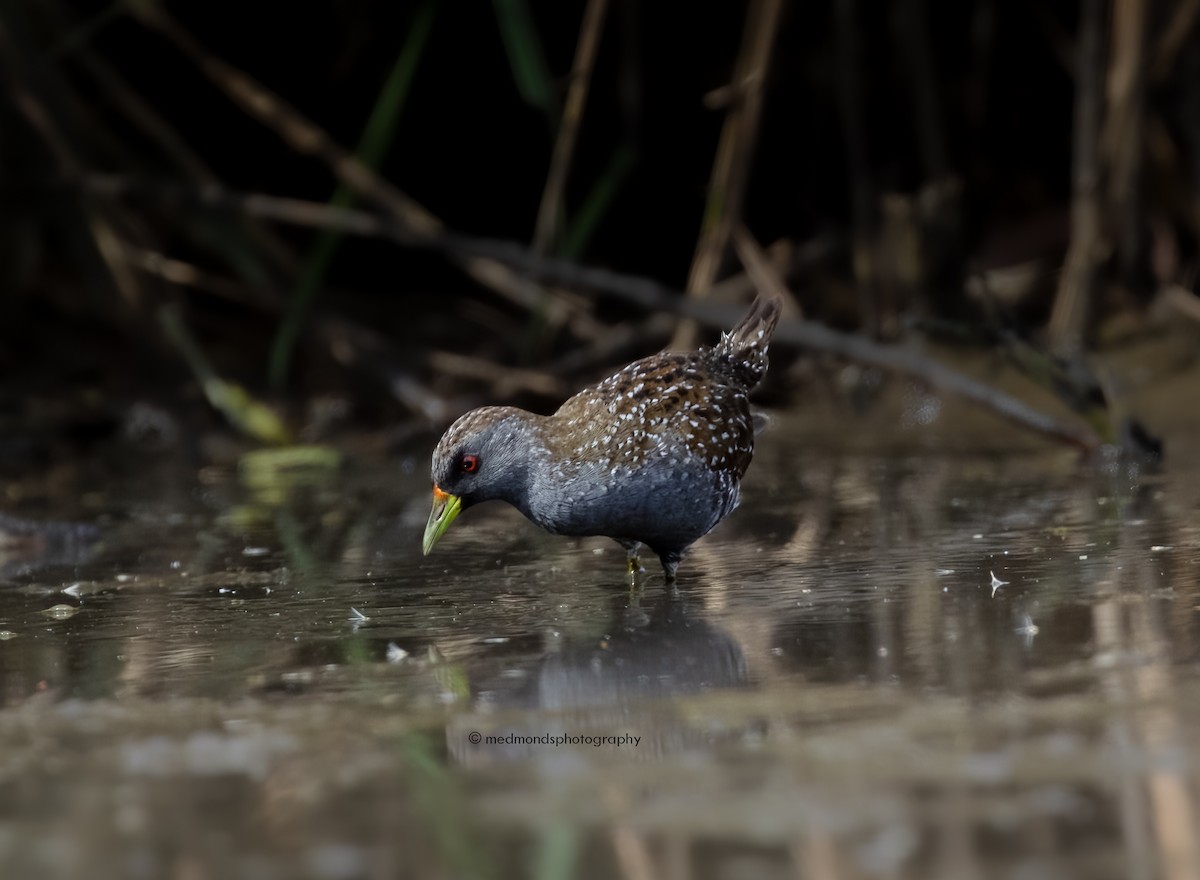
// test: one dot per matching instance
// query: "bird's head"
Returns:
(483, 456)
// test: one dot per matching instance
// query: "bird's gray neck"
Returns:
(526, 460)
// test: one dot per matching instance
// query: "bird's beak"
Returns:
(446, 508)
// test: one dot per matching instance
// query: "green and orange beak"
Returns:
(446, 508)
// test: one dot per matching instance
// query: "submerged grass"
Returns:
(557, 853)
(443, 810)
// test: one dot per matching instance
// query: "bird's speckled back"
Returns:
(653, 454)
(675, 404)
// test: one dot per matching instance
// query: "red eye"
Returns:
(469, 463)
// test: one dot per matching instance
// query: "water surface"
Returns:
(893, 661)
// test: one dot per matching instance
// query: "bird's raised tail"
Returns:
(745, 346)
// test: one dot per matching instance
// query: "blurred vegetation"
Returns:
(362, 212)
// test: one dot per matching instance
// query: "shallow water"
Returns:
(891, 662)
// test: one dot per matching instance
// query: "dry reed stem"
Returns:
(319, 215)
(1122, 137)
(629, 845)
(1174, 37)
(814, 856)
(106, 239)
(734, 151)
(504, 379)
(550, 210)
(642, 292)
(758, 264)
(863, 207)
(308, 139)
(146, 119)
(1076, 288)
(355, 346)
(1182, 301)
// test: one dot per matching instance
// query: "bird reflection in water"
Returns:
(622, 683)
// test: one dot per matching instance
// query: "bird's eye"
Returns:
(468, 463)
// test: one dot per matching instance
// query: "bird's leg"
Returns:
(633, 570)
(633, 565)
(670, 564)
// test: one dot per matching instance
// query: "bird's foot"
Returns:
(633, 564)
(634, 573)
(670, 566)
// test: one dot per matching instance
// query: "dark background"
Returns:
(975, 98)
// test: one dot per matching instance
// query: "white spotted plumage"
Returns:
(653, 454)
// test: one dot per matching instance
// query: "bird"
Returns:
(651, 456)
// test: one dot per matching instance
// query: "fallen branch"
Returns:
(642, 292)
